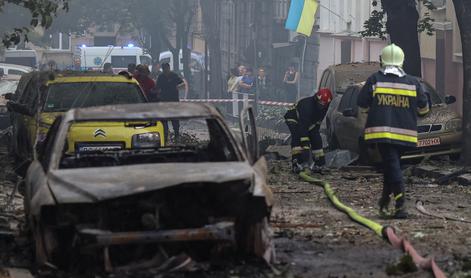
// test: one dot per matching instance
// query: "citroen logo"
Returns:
(100, 132)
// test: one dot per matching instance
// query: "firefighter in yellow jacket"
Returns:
(392, 100)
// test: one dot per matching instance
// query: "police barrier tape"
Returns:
(386, 232)
(262, 102)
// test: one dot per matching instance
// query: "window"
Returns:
(123, 61)
(145, 60)
(64, 96)
(323, 83)
(45, 149)
(29, 95)
(346, 100)
(433, 95)
(199, 140)
(16, 72)
(354, 99)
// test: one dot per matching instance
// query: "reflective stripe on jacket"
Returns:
(308, 114)
(394, 103)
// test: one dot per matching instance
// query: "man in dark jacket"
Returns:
(168, 83)
(392, 100)
(303, 121)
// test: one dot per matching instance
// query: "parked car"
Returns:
(439, 132)
(40, 98)
(12, 69)
(197, 194)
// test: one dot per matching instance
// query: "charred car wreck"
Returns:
(199, 193)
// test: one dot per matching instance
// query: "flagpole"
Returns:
(301, 71)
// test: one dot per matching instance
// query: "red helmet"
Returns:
(324, 96)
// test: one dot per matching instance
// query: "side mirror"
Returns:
(9, 96)
(450, 99)
(349, 112)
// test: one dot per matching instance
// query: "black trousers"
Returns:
(175, 126)
(303, 149)
(393, 180)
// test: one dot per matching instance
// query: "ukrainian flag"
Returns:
(301, 16)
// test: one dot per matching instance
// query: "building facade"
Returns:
(340, 22)
(442, 59)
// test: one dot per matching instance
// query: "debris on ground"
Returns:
(340, 158)
(405, 265)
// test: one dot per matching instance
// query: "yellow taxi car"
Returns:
(40, 98)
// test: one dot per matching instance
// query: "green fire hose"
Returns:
(385, 232)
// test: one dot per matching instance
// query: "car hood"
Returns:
(88, 185)
(439, 114)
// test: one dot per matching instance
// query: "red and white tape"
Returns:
(262, 102)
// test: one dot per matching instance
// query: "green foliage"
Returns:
(41, 13)
(375, 26)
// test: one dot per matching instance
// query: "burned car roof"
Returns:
(142, 111)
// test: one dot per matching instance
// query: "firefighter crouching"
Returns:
(304, 120)
(392, 100)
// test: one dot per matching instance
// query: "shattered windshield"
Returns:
(100, 144)
(61, 97)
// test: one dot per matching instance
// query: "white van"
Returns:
(197, 60)
(93, 58)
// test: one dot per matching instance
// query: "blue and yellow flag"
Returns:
(301, 16)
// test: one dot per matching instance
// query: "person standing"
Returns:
(168, 84)
(132, 68)
(156, 71)
(304, 120)
(262, 83)
(247, 83)
(233, 81)
(392, 100)
(147, 84)
(291, 80)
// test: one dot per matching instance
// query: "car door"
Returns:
(36, 177)
(27, 120)
(249, 134)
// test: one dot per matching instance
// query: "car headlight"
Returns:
(146, 140)
(454, 125)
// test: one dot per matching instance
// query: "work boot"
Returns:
(296, 167)
(383, 204)
(400, 211)
(315, 169)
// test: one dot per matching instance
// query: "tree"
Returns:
(211, 32)
(463, 15)
(403, 25)
(41, 14)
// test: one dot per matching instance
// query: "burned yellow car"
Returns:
(41, 97)
(201, 194)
